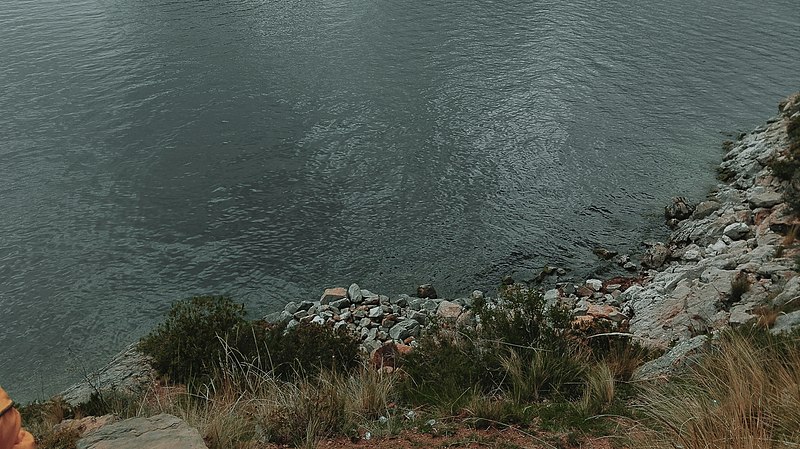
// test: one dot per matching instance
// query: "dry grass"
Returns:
(744, 395)
(600, 389)
(247, 407)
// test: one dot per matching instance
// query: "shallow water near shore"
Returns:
(154, 150)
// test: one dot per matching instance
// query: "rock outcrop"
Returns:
(129, 372)
(156, 432)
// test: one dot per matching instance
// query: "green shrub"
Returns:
(521, 348)
(200, 335)
(305, 350)
(186, 345)
(444, 367)
(521, 319)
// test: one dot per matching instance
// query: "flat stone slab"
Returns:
(156, 432)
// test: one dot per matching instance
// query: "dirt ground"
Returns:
(508, 438)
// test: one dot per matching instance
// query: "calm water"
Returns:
(150, 150)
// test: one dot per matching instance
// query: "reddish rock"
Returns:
(584, 292)
(332, 294)
(601, 311)
(388, 355)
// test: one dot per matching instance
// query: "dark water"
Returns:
(150, 150)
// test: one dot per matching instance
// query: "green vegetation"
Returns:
(203, 335)
(526, 365)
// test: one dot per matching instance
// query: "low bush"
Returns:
(522, 349)
(186, 344)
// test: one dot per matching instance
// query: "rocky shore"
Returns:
(729, 261)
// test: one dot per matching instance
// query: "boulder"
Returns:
(674, 360)
(426, 291)
(736, 231)
(332, 294)
(789, 294)
(655, 256)
(680, 209)
(404, 329)
(762, 197)
(705, 209)
(786, 322)
(594, 284)
(156, 432)
(449, 310)
(354, 293)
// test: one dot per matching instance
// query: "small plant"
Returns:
(599, 393)
(66, 438)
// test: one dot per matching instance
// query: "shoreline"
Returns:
(734, 237)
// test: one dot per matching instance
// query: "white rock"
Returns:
(594, 284)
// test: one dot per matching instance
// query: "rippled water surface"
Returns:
(150, 150)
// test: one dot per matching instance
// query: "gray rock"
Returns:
(291, 307)
(430, 306)
(156, 432)
(318, 320)
(354, 293)
(419, 317)
(476, 295)
(292, 324)
(736, 231)
(789, 294)
(401, 300)
(786, 323)
(655, 256)
(705, 209)
(551, 296)
(404, 329)
(761, 197)
(674, 360)
(365, 322)
(305, 305)
(594, 284)
(332, 294)
(341, 303)
(375, 312)
(449, 310)
(680, 209)
(128, 372)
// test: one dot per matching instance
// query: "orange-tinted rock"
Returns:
(332, 294)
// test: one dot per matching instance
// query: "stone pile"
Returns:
(375, 318)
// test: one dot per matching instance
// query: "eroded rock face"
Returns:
(157, 432)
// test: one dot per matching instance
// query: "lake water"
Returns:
(151, 150)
